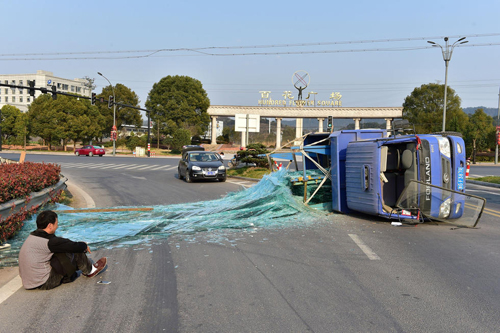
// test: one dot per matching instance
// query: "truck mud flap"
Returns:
(441, 204)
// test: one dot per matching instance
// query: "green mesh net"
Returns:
(268, 204)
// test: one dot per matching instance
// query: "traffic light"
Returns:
(330, 122)
(54, 92)
(92, 99)
(31, 89)
(110, 101)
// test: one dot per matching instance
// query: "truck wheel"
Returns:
(91, 154)
(188, 178)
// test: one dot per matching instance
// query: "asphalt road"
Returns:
(343, 274)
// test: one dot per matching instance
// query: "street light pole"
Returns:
(447, 52)
(498, 126)
(114, 111)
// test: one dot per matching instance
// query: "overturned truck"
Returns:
(405, 177)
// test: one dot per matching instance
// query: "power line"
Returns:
(204, 51)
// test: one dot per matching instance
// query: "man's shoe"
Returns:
(99, 266)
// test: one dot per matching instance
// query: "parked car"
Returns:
(201, 165)
(90, 151)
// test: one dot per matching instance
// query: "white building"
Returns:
(20, 98)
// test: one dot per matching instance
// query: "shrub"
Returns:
(255, 153)
(18, 180)
(181, 137)
(135, 141)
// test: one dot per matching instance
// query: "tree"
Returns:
(182, 100)
(124, 115)
(89, 83)
(64, 119)
(84, 122)
(14, 125)
(424, 109)
(180, 138)
(479, 130)
(46, 122)
(134, 141)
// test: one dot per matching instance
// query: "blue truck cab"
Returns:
(377, 172)
(370, 170)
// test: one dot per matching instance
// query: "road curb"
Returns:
(245, 178)
(477, 182)
(81, 199)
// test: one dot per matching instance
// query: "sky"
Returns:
(374, 53)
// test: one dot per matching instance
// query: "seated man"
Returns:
(46, 261)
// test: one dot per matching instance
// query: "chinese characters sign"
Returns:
(288, 99)
(300, 80)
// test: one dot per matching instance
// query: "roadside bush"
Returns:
(180, 138)
(255, 153)
(222, 139)
(18, 180)
(135, 141)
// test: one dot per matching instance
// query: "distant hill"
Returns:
(311, 124)
(489, 111)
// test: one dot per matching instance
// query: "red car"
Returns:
(90, 151)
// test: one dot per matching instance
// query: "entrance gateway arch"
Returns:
(320, 113)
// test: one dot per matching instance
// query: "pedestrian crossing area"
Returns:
(119, 166)
(139, 168)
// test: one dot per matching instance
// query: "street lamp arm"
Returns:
(113, 88)
(447, 53)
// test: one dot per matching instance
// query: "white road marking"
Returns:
(108, 166)
(139, 167)
(244, 184)
(369, 252)
(133, 167)
(149, 166)
(163, 167)
(121, 166)
(483, 191)
(10, 288)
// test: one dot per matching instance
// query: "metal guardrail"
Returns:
(6, 161)
(36, 199)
